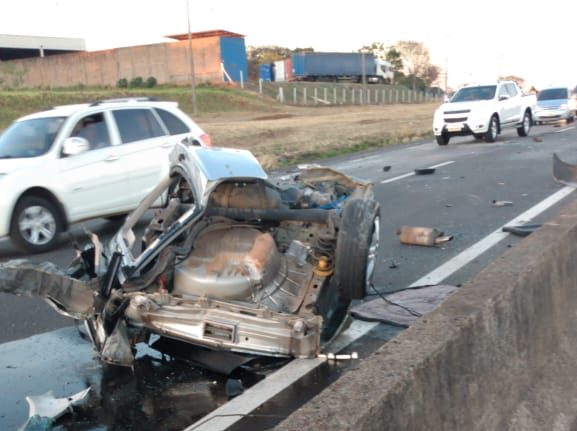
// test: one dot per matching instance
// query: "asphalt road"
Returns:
(456, 199)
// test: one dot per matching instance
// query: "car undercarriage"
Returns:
(230, 260)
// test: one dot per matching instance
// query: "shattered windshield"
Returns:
(29, 138)
(486, 92)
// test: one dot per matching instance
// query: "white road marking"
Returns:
(400, 177)
(565, 129)
(442, 272)
(237, 408)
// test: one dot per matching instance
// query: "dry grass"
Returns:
(291, 134)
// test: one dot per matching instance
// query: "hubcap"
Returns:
(372, 254)
(526, 123)
(37, 225)
(493, 128)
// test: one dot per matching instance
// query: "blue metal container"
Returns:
(233, 56)
(265, 72)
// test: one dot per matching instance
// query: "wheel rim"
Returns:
(493, 128)
(372, 253)
(526, 124)
(37, 225)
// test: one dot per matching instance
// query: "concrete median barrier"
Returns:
(499, 354)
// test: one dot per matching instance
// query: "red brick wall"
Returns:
(167, 62)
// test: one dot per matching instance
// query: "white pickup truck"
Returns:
(484, 111)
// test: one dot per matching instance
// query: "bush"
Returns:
(137, 82)
(122, 83)
(150, 82)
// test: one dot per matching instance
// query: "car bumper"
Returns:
(459, 129)
(220, 324)
(552, 115)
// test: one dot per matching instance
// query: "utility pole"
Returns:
(191, 59)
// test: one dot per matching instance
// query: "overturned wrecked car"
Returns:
(231, 260)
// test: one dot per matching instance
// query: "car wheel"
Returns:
(442, 139)
(493, 130)
(523, 129)
(357, 245)
(36, 224)
(355, 262)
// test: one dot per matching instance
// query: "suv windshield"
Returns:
(553, 94)
(29, 138)
(486, 92)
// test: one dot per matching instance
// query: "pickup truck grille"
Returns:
(461, 111)
(455, 120)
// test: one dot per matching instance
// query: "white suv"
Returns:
(78, 162)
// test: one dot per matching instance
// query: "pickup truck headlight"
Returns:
(564, 106)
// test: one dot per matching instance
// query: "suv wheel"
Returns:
(442, 139)
(523, 129)
(493, 130)
(36, 224)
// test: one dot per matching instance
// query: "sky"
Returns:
(476, 41)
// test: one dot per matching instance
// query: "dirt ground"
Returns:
(294, 134)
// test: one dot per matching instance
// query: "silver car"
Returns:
(232, 260)
(553, 104)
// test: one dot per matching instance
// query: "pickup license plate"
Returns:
(455, 127)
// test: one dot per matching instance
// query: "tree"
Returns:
(416, 61)
(378, 49)
(430, 74)
(394, 57)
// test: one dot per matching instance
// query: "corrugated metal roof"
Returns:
(203, 34)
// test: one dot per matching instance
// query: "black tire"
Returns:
(36, 225)
(442, 139)
(354, 265)
(493, 130)
(357, 244)
(525, 127)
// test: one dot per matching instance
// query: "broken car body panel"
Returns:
(231, 260)
(563, 172)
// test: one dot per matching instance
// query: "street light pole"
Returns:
(191, 59)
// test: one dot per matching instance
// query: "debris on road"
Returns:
(386, 168)
(338, 357)
(426, 236)
(424, 171)
(537, 139)
(46, 409)
(403, 307)
(523, 230)
(502, 203)
(233, 388)
(563, 172)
